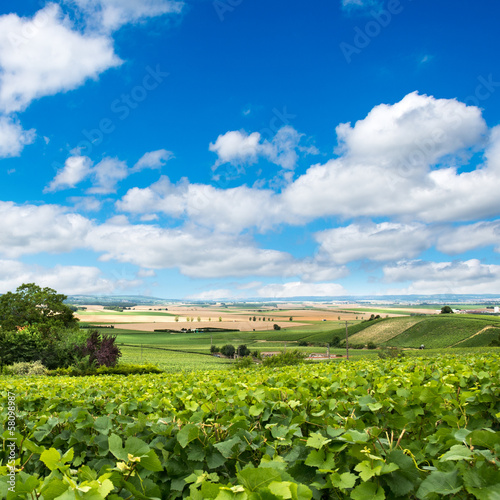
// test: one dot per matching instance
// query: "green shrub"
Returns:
(390, 352)
(285, 359)
(243, 350)
(245, 362)
(26, 369)
(356, 346)
(335, 341)
(228, 350)
(371, 345)
(121, 369)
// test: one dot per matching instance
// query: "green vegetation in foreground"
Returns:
(413, 428)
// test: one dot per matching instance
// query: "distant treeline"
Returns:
(199, 330)
(95, 326)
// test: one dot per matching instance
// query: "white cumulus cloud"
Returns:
(379, 242)
(44, 55)
(457, 277)
(13, 137)
(75, 170)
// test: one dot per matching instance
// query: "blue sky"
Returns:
(250, 148)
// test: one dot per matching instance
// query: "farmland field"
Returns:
(411, 428)
(442, 331)
(311, 327)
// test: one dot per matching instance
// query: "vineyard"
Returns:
(422, 428)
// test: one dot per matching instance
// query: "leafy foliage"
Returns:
(228, 350)
(26, 369)
(32, 305)
(101, 349)
(289, 358)
(418, 428)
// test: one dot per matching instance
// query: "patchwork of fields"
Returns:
(308, 329)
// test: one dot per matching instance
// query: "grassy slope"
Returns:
(442, 331)
(385, 330)
(482, 339)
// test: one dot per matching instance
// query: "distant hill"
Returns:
(115, 300)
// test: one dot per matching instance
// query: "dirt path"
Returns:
(472, 336)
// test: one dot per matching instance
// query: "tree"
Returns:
(243, 350)
(31, 305)
(228, 350)
(446, 310)
(276, 327)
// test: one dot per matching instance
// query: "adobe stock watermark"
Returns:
(29, 29)
(121, 108)
(222, 7)
(11, 446)
(363, 37)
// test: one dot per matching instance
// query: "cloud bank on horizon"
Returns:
(160, 148)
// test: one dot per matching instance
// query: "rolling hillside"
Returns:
(447, 331)
(383, 331)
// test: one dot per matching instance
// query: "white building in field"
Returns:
(496, 309)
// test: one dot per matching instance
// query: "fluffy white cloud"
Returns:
(458, 277)
(153, 159)
(228, 210)
(385, 167)
(380, 242)
(299, 289)
(239, 148)
(112, 14)
(76, 169)
(64, 279)
(196, 254)
(413, 133)
(44, 55)
(236, 147)
(13, 137)
(464, 238)
(107, 173)
(31, 229)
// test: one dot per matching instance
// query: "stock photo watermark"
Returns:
(121, 108)
(222, 7)
(11, 445)
(30, 29)
(363, 36)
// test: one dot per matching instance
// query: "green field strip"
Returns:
(439, 332)
(481, 339)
